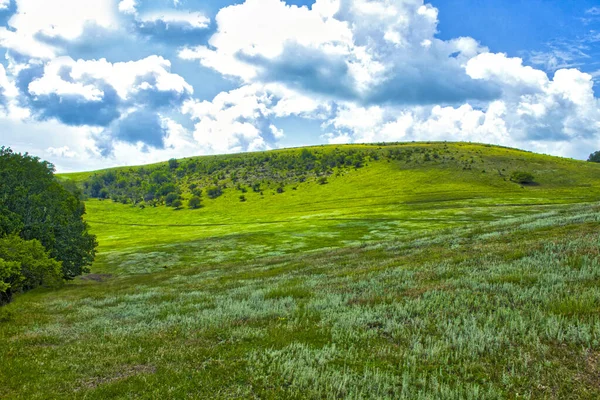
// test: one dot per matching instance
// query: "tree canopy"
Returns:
(595, 157)
(34, 205)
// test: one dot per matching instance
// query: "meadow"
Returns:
(398, 279)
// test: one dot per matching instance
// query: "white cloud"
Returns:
(63, 152)
(229, 123)
(65, 19)
(127, 78)
(507, 71)
(4, 4)
(593, 11)
(194, 20)
(128, 6)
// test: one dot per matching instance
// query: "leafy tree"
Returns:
(34, 205)
(171, 197)
(10, 275)
(194, 202)
(595, 157)
(522, 177)
(177, 204)
(173, 163)
(25, 265)
(214, 192)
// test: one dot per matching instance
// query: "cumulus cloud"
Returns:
(364, 70)
(128, 6)
(67, 19)
(381, 69)
(124, 98)
(364, 51)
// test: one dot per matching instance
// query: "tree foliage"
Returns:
(34, 205)
(595, 157)
(194, 202)
(25, 265)
(522, 177)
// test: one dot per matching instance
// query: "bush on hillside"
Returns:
(595, 157)
(522, 177)
(171, 198)
(177, 204)
(214, 192)
(194, 202)
(25, 265)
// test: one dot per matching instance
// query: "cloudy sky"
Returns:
(97, 83)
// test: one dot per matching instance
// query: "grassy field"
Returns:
(391, 281)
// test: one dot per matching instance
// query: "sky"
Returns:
(99, 83)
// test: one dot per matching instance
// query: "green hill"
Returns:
(384, 192)
(415, 270)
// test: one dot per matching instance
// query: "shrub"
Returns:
(595, 157)
(280, 189)
(194, 202)
(522, 177)
(322, 180)
(242, 198)
(173, 164)
(177, 204)
(214, 192)
(25, 265)
(171, 197)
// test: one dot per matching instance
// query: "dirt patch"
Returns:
(96, 277)
(592, 372)
(125, 373)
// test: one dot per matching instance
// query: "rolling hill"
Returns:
(407, 270)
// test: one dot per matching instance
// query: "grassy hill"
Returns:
(415, 270)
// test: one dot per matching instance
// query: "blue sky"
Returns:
(122, 82)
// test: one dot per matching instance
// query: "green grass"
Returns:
(391, 281)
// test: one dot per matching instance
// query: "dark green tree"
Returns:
(595, 157)
(177, 204)
(173, 163)
(522, 177)
(171, 197)
(34, 205)
(194, 202)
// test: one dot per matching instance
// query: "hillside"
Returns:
(415, 270)
(394, 192)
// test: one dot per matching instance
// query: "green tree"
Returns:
(25, 265)
(171, 197)
(177, 204)
(595, 157)
(194, 202)
(173, 163)
(34, 205)
(214, 192)
(522, 177)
